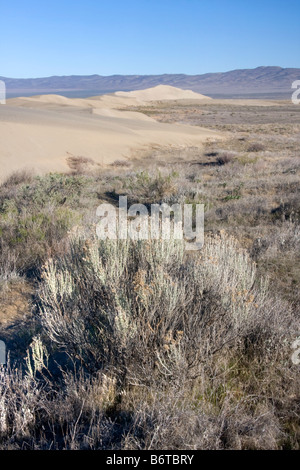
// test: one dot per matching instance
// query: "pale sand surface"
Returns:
(41, 132)
(162, 93)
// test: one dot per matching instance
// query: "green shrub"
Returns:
(148, 188)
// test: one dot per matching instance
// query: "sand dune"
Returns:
(120, 99)
(122, 114)
(162, 93)
(40, 132)
(57, 101)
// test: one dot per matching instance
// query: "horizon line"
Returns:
(150, 75)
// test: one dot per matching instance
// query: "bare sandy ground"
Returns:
(41, 132)
(162, 93)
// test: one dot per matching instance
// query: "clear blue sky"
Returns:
(40, 38)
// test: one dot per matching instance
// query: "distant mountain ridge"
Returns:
(265, 81)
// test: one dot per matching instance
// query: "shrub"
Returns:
(35, 218)
(256, 147)
(147, 311)
(224, 158)
(17, 178)
(31, 238)
(79, 165)
(19, 402)
(148, 188)
(121, 164)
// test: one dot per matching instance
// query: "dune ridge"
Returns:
(162, 93)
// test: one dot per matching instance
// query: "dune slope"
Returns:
(43, 131)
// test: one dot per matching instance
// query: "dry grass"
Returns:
(80, 165)
(18, 177)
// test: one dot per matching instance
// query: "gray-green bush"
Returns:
(168, 347)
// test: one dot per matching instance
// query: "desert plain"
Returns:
(145, 346)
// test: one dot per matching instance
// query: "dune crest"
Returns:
(162, 93)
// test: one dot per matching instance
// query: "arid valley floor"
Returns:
(145, 347)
